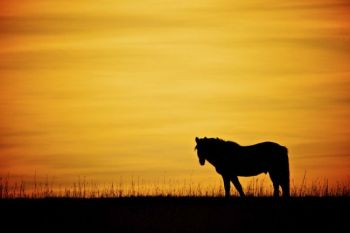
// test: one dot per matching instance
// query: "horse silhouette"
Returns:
(232, 160)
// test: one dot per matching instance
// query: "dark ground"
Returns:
(165, 214)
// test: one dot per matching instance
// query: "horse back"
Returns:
(258, 158)
(263, 148)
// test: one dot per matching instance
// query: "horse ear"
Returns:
(197, 139)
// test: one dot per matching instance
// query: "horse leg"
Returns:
(285, 189)
(227, 185)
(237, 185)
(275, 183)
(275, 189)
(285, 186)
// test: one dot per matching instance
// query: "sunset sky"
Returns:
(108, 89)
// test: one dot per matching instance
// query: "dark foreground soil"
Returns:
(164, 214)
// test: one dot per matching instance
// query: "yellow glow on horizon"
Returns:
(121, 88)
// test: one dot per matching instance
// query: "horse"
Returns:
(232, 160)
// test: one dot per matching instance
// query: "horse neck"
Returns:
(217, 155)
(214, 158)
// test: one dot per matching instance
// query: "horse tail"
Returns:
(285, 184)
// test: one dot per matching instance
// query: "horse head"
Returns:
(200, 151)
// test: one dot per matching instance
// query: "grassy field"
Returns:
(175, 214)
(42, 206)
(43, 187)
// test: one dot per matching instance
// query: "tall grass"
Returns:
(83, 188)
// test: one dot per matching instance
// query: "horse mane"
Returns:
(220, 142)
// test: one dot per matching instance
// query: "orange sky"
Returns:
(109, 89)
